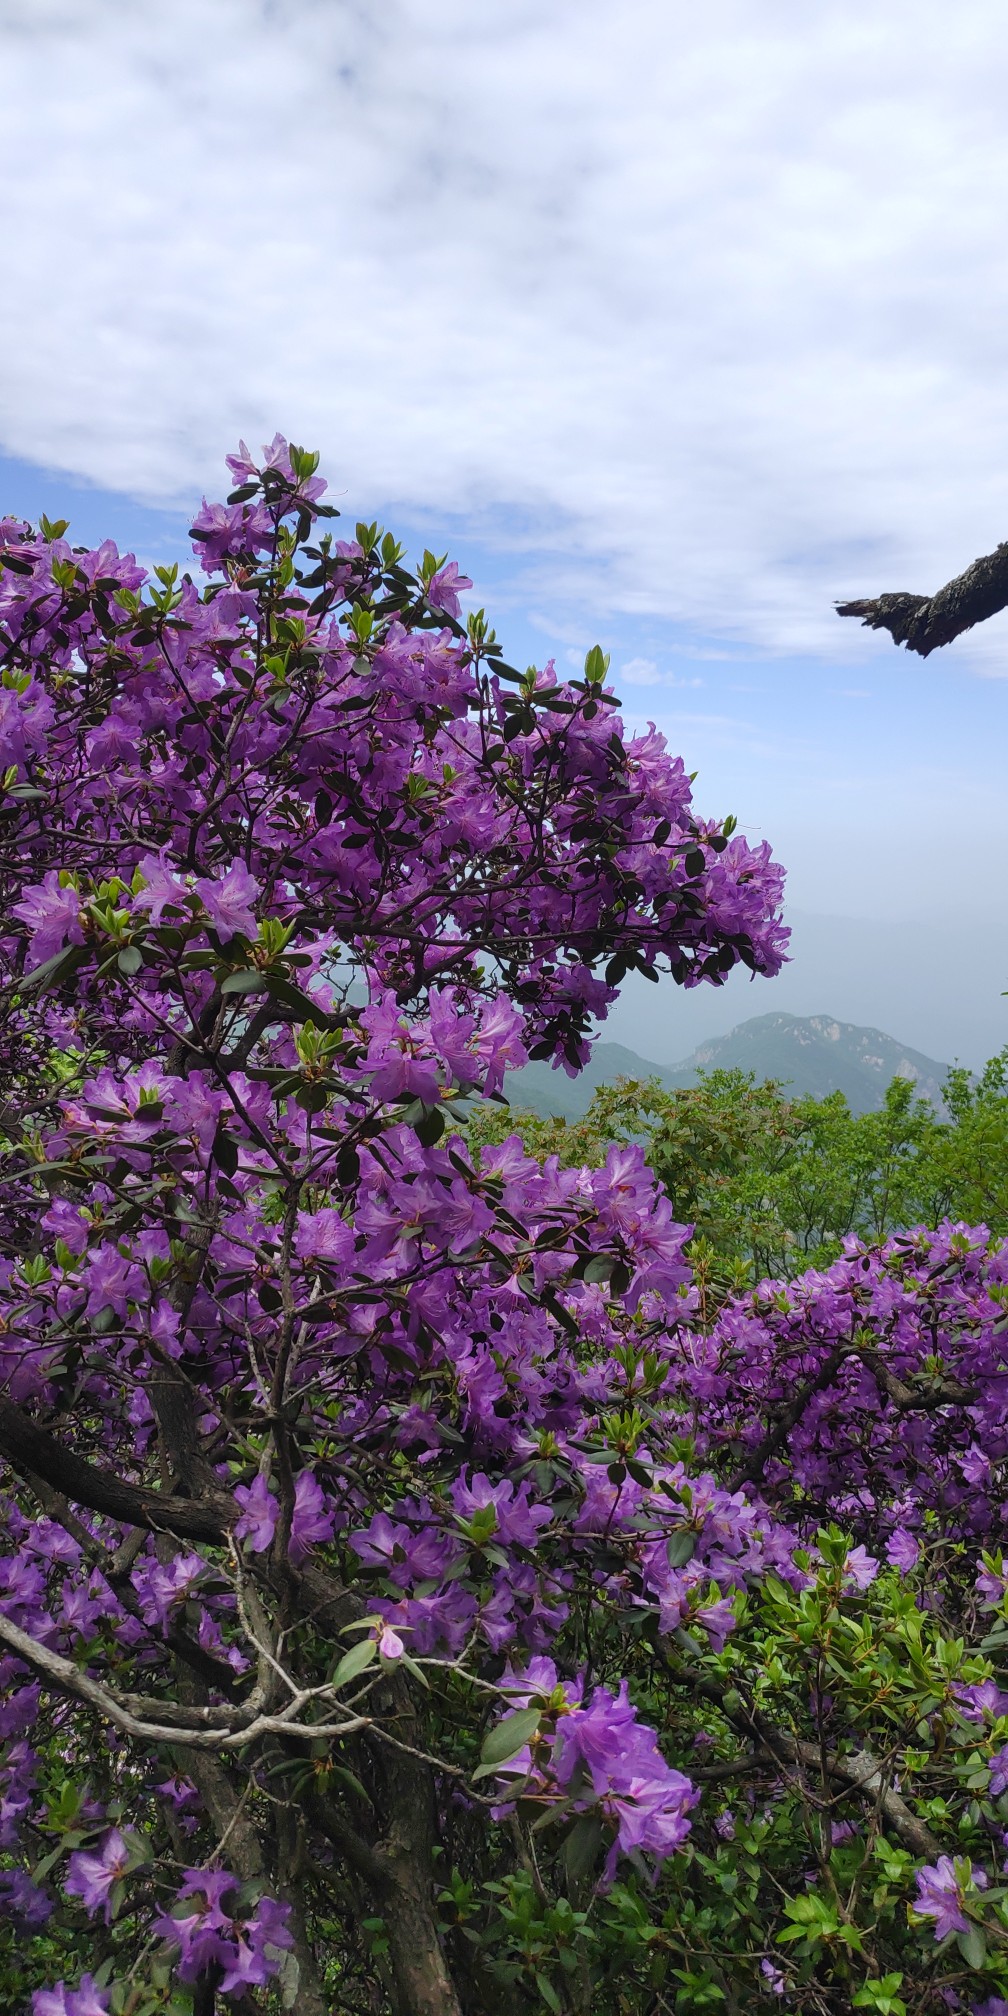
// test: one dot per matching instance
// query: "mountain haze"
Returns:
(807, 1053)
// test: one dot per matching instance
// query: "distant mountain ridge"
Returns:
(817, 1054)
(806, 1053)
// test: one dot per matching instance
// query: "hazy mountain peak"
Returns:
(815, 1054)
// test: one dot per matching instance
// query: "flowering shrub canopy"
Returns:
(413, 1596)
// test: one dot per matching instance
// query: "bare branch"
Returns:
(33, 1452)
(925, 622)
(197, 1727)
(129, 1712)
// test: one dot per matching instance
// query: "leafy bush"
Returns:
(773, 1184)
(415, 1593)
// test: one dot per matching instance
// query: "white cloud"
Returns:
(645, 672)
(640, 672)
(708, 302)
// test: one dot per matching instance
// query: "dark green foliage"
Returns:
(775, 1184)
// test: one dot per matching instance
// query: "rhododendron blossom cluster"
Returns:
(406, 1580)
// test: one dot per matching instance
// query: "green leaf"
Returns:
(580, 1850)
(130, 960)
(246, 982)
(430, 1128)
(549, 1994)
(301, 1006)
(506, 1738)
(225, 1151)
(417, 1671)
(355, 1662)
(882, 1996)
(48, 1862)
(973, 1947)
(680, 1547)
(54, 971)
(349, 1779)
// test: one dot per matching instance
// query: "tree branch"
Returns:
(151, 1720)
(913, 1399)
(857, 1769)
(34, 1452)
(752, 1470)
(925, 622)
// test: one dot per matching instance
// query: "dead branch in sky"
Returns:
(925, 622)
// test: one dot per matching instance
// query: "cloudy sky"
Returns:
(677, 324)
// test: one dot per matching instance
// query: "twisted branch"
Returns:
(925, 622)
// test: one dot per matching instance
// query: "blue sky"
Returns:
(672, 329)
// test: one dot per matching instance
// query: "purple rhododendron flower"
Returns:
(398, 1058)
(85, 2000)
(260, 1513)
(324, 1235)
(23, 1900)
(52, 915)
(980, 1700)
(184, 1800)
(311, 1520)
(161, 1586)
(278, 456)
(499, 1042)
(902, 1550)
(165, 888)
(90, 1877)
(406, 1556)
(220, 531)
(975, 1465)
(228, 901)
(52, 2001)
(861, 1568)
(646, 1800)
(940, 1896)
(991, 1583)
(52, 1542)
(109, 1279)
(445, 588)
(248, 1949)
(515, 1521)
(718, 1620)
(202, 1935)
(241, 464)
(259, 1946)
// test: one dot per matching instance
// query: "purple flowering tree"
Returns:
(410, 1599)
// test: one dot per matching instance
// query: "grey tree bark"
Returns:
(925, 622)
